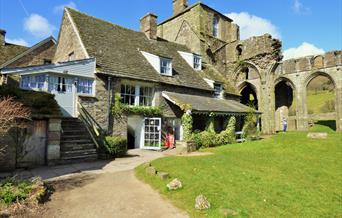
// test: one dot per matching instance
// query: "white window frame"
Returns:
(87, 86)
(217, 93)
(32, 82)
(167, 67)
(137, 96)
(197, 66)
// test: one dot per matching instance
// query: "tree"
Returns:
(13, 115)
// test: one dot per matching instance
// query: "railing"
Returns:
(96, 132)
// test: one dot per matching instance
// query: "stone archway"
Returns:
(284, 94)
(249, 95)
(321, 100)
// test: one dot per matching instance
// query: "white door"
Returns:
(65, 94)
(152, 133)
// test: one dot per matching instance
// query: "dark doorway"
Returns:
(249, 96)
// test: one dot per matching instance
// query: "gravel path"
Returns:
(110, 192)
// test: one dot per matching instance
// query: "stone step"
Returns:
(76, 141)
(74, 147)
(75, 132)
(77, 153)
(75, 137)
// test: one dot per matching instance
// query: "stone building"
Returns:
(192, 60)
(252, 66)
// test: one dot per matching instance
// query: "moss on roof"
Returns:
(118, 52)
(41, 104)
(9, 51)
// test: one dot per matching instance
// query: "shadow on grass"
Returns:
(328, 123)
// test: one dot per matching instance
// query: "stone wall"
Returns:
(68, 42)
(37, 56)
(41, 145)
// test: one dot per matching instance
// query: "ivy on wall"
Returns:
(118, 109)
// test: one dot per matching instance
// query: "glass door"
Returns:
(152, 133)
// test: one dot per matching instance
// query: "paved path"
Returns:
(117, 194)
(104, 189)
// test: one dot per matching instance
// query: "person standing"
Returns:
(284, 124)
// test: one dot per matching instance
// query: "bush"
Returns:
(209, 138)
(249, 129)
(116, 145)
(227, 136)
(187, 125)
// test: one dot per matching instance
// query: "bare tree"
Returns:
(13, 114)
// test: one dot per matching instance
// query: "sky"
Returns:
(305, 27)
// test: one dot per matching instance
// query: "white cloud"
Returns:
(38, 26)
(299, 8)
(60, 8)
(305, 49)
(18, 41)
(251, 25)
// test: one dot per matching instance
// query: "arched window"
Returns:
(215, 26)
(239, 50)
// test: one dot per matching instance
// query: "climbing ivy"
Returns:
(187, 125)
(118, 109)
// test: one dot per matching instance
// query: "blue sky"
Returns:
(304, 26)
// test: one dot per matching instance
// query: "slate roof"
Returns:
(118, 52)
(9, 51)
(28, 51)
(202, 104)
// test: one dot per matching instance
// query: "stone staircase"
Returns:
(76, 143)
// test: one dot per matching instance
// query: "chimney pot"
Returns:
(2, 36)
(179, 6)
(148, 25)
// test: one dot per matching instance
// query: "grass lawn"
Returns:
(316, 101)
(286, 175)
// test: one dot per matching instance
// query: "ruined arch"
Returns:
(284, 102)
(317, 62)
(324, 111)
(240, 70)
(248, 94)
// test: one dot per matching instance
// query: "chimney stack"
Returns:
(148, 25)
(2, 36)
(179, 6)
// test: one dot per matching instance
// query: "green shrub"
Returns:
(187, 126)
(249, 129)
(227, 136)
(208, 139)
(116, 145)
(11, 191)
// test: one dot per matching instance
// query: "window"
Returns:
(60, 84)
(128, 94)
(197, 62)
(165, 66)
(217, 89)
(215, 26)
(146, 96)
(47, 61)
(40, 81)
(85, 86)
(33, 82)
(136, 95)
(71, 56)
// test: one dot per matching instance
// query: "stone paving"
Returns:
(134, 158)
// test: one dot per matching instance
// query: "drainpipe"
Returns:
(109, 104)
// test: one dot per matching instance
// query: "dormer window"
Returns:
(197, 62)
(215, 26)
(217, 89)
(165, 66)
